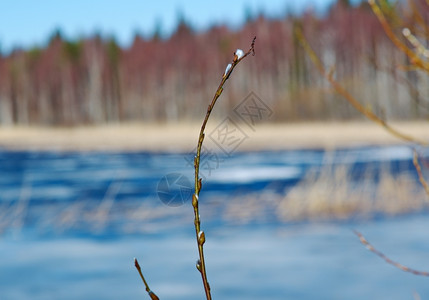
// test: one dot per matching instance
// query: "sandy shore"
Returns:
(183, 137)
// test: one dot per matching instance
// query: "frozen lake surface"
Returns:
(71, 224)
(306, 261)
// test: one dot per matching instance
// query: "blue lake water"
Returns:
(72, 222)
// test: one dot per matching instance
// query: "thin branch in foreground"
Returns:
(148, 290)
(353, 101)
(419, 172)
(239, 55)
(420, 49)
(387, 259)
(415, 59)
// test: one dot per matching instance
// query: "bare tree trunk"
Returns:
(95, 108)
(6, 114)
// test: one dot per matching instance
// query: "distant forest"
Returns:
(95, 81)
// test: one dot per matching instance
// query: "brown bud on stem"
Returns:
(153, 296)
(201, 238)
(194, 200)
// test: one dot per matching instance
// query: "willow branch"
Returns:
(239, 55)
(387, 259)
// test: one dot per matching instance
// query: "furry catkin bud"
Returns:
(239, 53)
(228, 67)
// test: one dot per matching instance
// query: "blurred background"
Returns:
(72, 64)
(100, 107)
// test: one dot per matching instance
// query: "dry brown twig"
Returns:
(417, 62)
(371, 248)
(352, 100)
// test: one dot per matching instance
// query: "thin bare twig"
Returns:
(387, 259)
(148, 290)
(353, 101)
(239, 55)
(419, 172)
(415, 59)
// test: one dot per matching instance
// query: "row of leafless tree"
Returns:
(93, 81)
